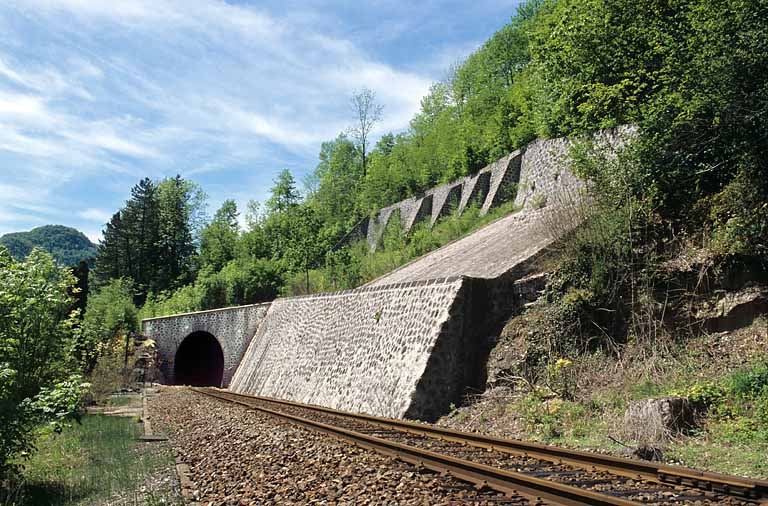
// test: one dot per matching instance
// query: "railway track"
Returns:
(527, 473)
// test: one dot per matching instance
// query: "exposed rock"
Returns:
(507, 360)
(733, 310)
(652, 421)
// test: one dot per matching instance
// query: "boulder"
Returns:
(656, 420)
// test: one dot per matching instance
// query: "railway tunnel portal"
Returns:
(203, 348)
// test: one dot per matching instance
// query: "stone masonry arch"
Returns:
(232, 328)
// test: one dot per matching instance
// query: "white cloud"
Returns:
(17, 105)
(255, 74)
(93, 214)
(94, 235)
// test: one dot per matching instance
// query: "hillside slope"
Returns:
(67, 245)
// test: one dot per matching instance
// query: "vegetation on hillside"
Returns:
(99, 461)
(689, 73)
(68, 246)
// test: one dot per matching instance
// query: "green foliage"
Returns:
(67, 245)
(93, 463)
(110, 314)
(36, 327)
(704, 394)
(561, 378)
(750, 381)
(110, 373)
(355, 264)
(737, 404)
(37, 336)
(184, 300)
(241, 281)
(153, 239)
(550, 418)
(63, 400)
(337, 178)
(691, 74)
(218, 239)
(284, 194)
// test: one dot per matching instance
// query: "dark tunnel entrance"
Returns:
(199, 361)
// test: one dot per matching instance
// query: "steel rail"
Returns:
(508, 482)
(753, 490)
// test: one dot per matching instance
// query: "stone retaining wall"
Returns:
(535, 176)
(406, 344)
(492, 185)
(398, 350)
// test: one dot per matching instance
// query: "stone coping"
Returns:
(323, 295)
(205, 311)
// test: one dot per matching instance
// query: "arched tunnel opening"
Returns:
(199, 361)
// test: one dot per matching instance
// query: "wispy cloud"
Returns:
(92, 214)
(95, 94)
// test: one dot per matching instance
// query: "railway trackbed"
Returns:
(527, 473)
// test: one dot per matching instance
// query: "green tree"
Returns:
(338, 174)
(110, 261)
(181, 205)
(36, 340)
(367, 113)
(141, 217)
(241, 281)
(153, 239)
(110, 313)
(304, 247)
(218, 241)
(284, 195)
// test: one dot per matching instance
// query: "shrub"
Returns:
(750, 381)
(110, 313)
(37, 336)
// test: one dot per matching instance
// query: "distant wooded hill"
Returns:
(67, 245)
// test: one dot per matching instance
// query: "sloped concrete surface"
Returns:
(491, 251)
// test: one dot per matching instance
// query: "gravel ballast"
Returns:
(237, 456)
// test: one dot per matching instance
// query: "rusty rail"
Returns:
(510, 482)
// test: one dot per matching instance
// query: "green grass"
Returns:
(397, 248)
(92, 463)
(122, 400)
(733, 410)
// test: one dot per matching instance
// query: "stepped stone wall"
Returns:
(398, 350)
(492, 185)
(535, 176)
(545, 175)
(232, 328)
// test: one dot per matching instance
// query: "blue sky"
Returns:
(96, 94)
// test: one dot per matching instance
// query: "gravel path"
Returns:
(240, 457)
